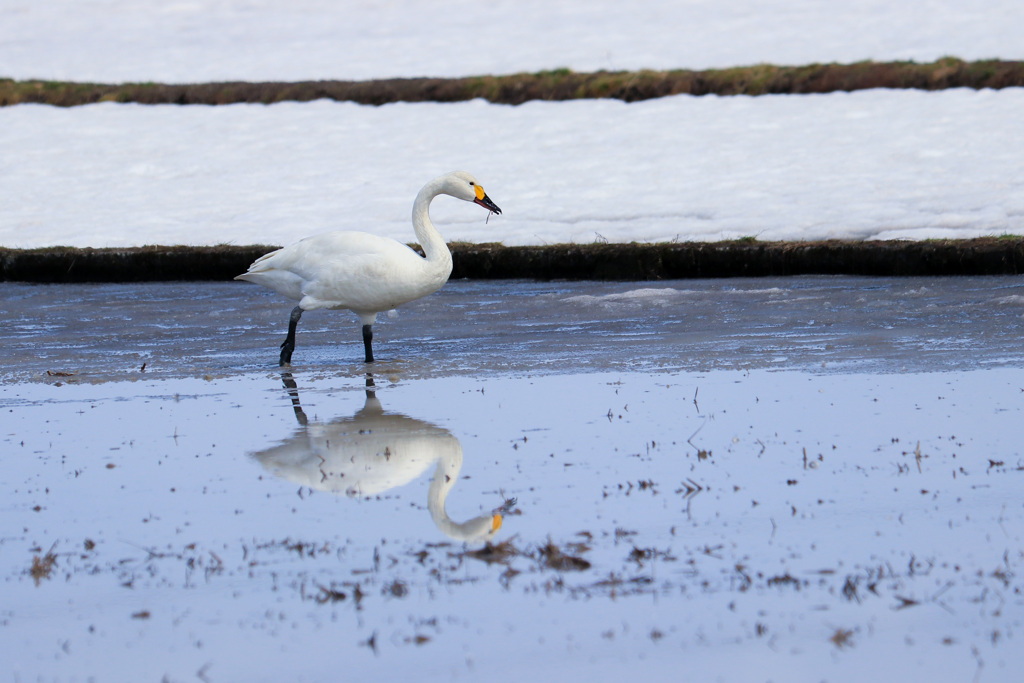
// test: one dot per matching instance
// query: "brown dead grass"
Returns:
(558, 84)
(42, 566)
(665, 261)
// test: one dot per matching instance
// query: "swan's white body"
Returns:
(362, 272)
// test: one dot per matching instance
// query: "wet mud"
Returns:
(561, 84)
(740, 258)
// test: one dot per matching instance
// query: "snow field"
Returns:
(866, 165)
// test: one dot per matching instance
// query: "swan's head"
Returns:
(464, 186)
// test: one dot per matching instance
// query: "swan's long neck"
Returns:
(430, 239)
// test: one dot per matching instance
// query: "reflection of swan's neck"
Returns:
(429, 238)
(477, 529)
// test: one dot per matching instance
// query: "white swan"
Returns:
(365, 273)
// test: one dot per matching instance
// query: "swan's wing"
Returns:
(354, 270)
(316, 255)
(264, 271)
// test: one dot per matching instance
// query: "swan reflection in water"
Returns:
(374, 451)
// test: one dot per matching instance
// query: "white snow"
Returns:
(883, 164)
(872, 164)
(200, 40)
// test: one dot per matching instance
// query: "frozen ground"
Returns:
(873, 164)
(149, 40)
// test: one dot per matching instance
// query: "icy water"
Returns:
(469, 329)
(765, 480)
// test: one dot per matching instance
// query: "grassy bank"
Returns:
(743, 258)
(560, 84)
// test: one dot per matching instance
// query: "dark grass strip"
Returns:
(559, 84)
(743, 258)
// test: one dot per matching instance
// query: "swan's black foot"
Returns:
(368, 342)
(288, 345)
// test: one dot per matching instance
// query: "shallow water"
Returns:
(826, 502)
(138, 330)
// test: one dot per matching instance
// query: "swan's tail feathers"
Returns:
(260, 265)
(281, 281)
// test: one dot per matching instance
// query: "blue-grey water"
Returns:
(110, 331)
(795, 479)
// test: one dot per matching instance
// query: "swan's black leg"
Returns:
(368, 342)
(288, 345)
